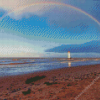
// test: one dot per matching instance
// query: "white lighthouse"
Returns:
(69, 55)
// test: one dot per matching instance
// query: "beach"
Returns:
(73, 83)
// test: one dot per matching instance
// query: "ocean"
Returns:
(17, 66)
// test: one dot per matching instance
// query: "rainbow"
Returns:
(52, 3)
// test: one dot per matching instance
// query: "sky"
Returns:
(33, 28)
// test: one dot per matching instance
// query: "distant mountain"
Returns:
(92, 46)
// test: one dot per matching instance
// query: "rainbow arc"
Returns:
(52, 3)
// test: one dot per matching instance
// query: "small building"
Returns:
(69, 55)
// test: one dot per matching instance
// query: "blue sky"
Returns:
(28, 30)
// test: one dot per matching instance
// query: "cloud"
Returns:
(21, 7)
(14, 5)
(18, 51)
(93, 46)
(56, 16)
(21, 54)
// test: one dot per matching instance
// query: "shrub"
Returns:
(33, 79)
(27, 92)
(47, 83)
(69, 84)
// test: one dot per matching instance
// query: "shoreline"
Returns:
(52, 70)
(42, 71)
(63, 80)
(73, 62)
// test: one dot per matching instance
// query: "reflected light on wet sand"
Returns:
(69, 64)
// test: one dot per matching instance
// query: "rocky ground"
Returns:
(74, 83)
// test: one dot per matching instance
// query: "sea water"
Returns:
(34, 65)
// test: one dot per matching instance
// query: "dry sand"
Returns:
(60, 84)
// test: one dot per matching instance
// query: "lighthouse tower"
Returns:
(69, 55)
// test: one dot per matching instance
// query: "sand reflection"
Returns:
(69, 64)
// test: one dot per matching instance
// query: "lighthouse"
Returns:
(69, 55)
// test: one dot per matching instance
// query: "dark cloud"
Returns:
(70, 20)
(93, 46)
(66, 17)
(2, 12)
(92, 7)
(74, 23)
(95, 11)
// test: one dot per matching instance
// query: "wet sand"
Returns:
(58, 84)
(17, 63)
(62, 60)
